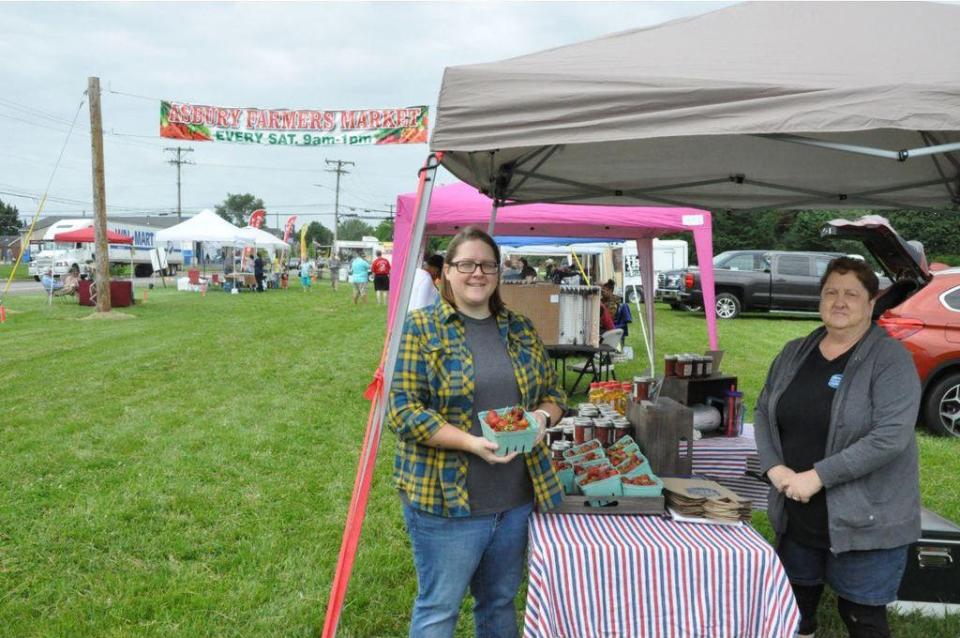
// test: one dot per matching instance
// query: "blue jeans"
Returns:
(485, 553)
(869, 577)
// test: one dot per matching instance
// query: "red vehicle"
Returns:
(921, 308)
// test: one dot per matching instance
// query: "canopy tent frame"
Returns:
(503, 190)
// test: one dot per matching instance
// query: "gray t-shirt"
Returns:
(493, 487)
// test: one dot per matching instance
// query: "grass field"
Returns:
(186, 472)
(6, 269)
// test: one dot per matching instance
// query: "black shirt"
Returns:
(803, 419)
(497, 487)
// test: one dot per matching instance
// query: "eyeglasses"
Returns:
(468, 267)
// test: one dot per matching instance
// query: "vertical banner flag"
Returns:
(257, 217)
(303, 243)
(289, 228)
(293, 127)
(256, 221)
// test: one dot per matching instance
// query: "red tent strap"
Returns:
(376, 385)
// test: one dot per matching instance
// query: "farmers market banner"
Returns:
(284, 127)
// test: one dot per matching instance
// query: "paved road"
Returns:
(20, 287)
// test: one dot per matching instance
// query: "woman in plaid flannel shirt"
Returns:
(465, 508)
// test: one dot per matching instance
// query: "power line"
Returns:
(336, 203)
(179, 162)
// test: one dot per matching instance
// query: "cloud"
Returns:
(330, 55)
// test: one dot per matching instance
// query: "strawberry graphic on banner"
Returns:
(289, 228)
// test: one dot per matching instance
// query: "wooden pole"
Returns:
(99, 198)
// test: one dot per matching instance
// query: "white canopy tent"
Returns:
(262, 239)
(205, 226)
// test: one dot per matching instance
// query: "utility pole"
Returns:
(179, 150)
(99, 197)
(336, 203)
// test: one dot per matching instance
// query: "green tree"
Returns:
(353, 230)
(236, 208)
(384, 231)
(317, 233)
(10, 223)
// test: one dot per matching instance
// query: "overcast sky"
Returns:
(324, 55)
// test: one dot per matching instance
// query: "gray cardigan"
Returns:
(870, 468)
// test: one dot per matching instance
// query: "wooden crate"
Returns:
(697, 389)
(664, 432)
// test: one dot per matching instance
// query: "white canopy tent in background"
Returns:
(262, 239)
(205, 226)
(788, 105)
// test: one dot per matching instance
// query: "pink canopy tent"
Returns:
(458, 205)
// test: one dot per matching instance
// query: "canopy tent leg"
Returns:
(645, 257)
(493, 216)
(377, 392)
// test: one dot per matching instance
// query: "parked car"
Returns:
(759, 280)
(921, 309)
(293, 263)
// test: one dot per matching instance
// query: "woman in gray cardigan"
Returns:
(835, 431)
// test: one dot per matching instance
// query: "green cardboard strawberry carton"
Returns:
(513, 429)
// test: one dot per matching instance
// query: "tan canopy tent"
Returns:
(759, 105)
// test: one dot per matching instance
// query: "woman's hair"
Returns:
(860, 268)
(470, 233)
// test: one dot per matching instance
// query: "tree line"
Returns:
(939, 232)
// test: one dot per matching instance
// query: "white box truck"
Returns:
(668, 254)
(48, 255)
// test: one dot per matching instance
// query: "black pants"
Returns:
(862, 621)
(259, 277)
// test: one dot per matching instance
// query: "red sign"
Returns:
(256, 219)
(289, 229)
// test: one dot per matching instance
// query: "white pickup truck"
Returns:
(48, 255)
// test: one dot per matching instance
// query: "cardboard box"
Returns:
(561, 314)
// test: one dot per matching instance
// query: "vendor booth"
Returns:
(755, 106)
(121, 292)
(208, 227)
(456, 206)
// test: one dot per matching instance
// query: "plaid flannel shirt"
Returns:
(433, 385)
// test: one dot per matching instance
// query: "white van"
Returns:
(668, 254)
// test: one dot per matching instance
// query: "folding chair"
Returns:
(601, 363)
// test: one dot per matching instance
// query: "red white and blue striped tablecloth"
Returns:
(726, 461)
(723, 455)
(645, 577)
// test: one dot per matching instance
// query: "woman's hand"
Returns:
(542, 422)
(779, 476)
(801, 487)
(485, 450)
